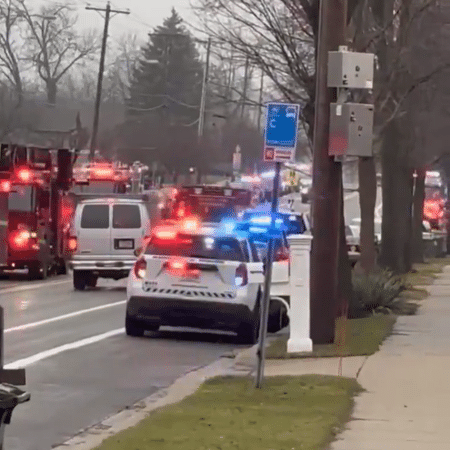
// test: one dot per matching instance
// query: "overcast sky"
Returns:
(144, 14)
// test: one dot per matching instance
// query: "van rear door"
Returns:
(128, 228)
(93, 229)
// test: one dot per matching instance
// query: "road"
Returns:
(351, 206)
(81, 367)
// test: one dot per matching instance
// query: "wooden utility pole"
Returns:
(327, 181)
(261, 97)
(201, 119)
(98, 97)
(244, 93)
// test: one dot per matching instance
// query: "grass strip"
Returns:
(364, 337)
(228, 413)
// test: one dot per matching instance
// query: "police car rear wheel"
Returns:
(248, 333)
(133, 327)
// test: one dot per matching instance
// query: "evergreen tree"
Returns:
(168, 78)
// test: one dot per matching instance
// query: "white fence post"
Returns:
(299, 339)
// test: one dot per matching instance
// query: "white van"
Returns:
(107, 231)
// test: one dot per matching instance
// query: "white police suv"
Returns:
(196, 277)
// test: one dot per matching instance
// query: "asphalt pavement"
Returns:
(80, 365)
(352, 209)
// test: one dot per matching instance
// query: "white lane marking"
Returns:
(32, 286)
(22, 363)
(63, 317)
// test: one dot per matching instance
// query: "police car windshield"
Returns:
(221, 248)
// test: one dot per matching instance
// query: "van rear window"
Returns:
(95, 216)
(126, 216)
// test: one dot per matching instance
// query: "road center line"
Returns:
(32, 286)
(22, 363)
(63, 317)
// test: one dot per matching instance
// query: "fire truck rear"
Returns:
(35, 205)
(211, 203)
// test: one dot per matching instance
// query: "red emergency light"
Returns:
(102, 173)
(164, 233)
(180, 268)
(191, 224)
(5, 186)
(22, 239)
(24, 175)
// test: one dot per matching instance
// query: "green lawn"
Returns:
(363, 337)
(289, 413)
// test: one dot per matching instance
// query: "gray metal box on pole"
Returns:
(350, 70)
(351, 129)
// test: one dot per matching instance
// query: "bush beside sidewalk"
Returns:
(379, 299)
(299, 411)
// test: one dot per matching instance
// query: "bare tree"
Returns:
(10, 54)
(281, 36)
(275, 35)
(123, 64)
(55, 47)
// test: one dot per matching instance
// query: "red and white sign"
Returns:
(269, 154)
(278, 154)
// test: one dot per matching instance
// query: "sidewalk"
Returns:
(406, 405)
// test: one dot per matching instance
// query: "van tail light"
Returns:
(241, 277)
(282, 255)
(72, 243)
(140, 268)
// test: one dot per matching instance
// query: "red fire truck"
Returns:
(210, 203)
(100, 178)
(35, 210)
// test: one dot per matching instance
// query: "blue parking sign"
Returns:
(282, 125)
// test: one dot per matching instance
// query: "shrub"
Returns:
(374, 292)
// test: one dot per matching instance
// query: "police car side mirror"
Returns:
(137, 251)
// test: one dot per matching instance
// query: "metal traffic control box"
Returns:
(350, 70)
(10, 397)
(351, 129)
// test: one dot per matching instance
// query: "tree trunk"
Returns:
(367, 201)
(397, 200)
(51, 91)
(407, 215)
(19, 92)
(417, 248)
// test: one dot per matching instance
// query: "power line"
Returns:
(98, 97)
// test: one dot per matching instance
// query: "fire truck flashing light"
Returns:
(5, 186)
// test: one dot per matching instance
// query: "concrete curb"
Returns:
(184, 386)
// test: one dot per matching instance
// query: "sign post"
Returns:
(237, 161)
(279, 146)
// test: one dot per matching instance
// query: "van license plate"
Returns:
(125, 244)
